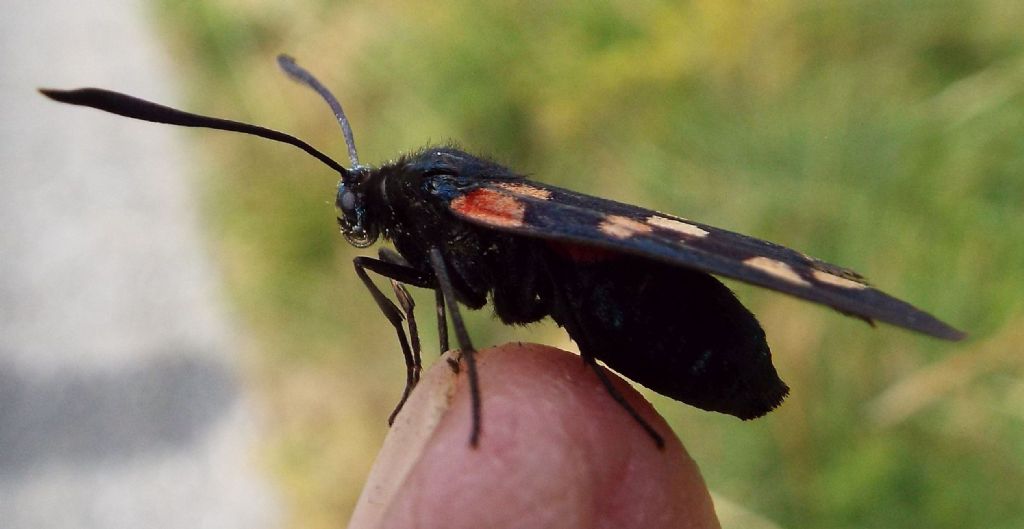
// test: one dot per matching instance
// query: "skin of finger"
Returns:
(555, 451)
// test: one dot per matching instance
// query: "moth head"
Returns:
(355, 225)
(359, 230)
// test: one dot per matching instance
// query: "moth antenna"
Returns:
(300, 74)
(133, 107)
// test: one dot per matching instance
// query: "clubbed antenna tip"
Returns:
(133, 107)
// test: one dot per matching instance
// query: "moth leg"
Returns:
(573, 326)
(621, 400)
(442, 321)
(408, 306)
(404, 274)
(405, 301)
(467, 351)
(393, 257)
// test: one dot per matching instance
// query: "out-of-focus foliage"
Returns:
(885, 136)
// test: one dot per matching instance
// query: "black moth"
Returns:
(631, 286)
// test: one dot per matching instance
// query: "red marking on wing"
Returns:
(491, 207)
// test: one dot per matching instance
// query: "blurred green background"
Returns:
(883, 136)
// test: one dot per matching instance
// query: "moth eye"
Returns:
(347, 201)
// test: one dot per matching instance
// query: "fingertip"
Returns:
(407, 438)
(555, 450)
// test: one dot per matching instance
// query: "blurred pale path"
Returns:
(119, 403)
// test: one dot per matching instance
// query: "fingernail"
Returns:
(405, 442)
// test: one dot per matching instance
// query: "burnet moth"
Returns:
(632, 287)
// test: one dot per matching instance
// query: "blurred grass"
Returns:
(888, 137)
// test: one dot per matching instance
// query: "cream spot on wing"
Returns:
(677, 226)
(622, 227)
(778, 269)
(837, 281)
(524, 189)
